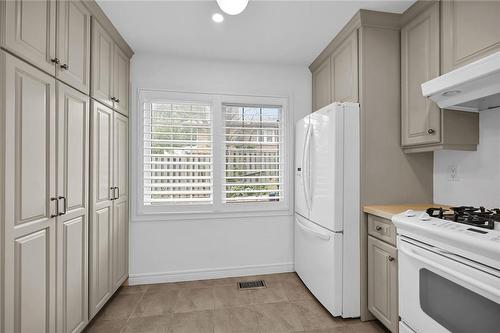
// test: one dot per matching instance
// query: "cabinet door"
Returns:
(72, 226)
(102, 65)
(383, 282)
(73, 44)
(29, 31)
(321, 85)
(120, 81)
(421, 118)
(471, 30)
(28, 110)
(120, 217)
(101, 206)
(344, 70)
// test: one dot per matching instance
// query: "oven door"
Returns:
(441, 292)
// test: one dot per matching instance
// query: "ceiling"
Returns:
(285, 32)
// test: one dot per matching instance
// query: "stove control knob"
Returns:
(410, 213)
(424, 217)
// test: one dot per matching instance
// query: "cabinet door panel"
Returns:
(29, 147)
(471, 30)
(120, 81)
(73, 44)
(101, 207)
(321, 78)
(382, 282)
(421, 118)
(102, 65)
(120, 176)
(30, 31)
(344, 67)
(72, 227)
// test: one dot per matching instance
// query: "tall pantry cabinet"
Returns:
(48, 166)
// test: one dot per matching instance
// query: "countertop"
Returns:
(388, 211)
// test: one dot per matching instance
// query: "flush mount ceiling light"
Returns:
(232, 7)
(218, 18)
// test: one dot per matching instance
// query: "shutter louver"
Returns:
(177, 153)
(252, 140)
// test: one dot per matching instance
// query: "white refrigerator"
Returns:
(327, 209)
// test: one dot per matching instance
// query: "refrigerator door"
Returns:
(318, 262)
(302, 138)
(327, 167)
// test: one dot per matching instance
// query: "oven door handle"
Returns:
(478, 284)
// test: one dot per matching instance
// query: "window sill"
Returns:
(165, 217)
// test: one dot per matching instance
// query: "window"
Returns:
(177, 153)
(252, 153)
(206, 153)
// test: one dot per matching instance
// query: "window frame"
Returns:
(217, 209)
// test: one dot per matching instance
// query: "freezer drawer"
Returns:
(318, 262)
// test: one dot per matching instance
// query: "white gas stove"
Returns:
(449, 272)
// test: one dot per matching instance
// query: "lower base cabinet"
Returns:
(383, 282)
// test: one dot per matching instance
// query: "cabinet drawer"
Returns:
(382, 229)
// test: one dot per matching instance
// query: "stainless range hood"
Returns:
(473, 87)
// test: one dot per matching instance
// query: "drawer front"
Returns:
(382, 229)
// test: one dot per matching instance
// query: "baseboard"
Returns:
(205, 274)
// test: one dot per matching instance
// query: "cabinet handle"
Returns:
(112, 193)
(118, 190)
(65, 66)
(378, 228)
(391, 258)
(55, 60)
(65, 205)
(431, 131)
(57, 207)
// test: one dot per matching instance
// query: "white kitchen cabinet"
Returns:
(109, 204)
(73, 44)
(28, 127)
(28, 30)
(72, 225)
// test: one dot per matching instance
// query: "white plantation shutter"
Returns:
(177, 153)
(253, 158)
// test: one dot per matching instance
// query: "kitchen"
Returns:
(332, 175)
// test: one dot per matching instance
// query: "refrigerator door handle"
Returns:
(305, 167)
(313, 232)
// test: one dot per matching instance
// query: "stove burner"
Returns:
(478, 217)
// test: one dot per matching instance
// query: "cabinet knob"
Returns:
(55, 60)
(113, 99)
(431, 131)
(65, 66)
(378, 228)
(117, 100)
(391, 258)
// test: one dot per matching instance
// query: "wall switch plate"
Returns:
(453, 173)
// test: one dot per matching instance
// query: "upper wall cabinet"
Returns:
(335, 79)
(28, 30)
(321, 78)
(110, 70)
(344, 70)
(425, 127)
(421, 118)
(470, 31)
(73, 44)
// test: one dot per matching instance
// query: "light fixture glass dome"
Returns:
(232, 7)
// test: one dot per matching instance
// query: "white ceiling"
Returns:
(286, 32)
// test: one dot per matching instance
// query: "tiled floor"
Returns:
(217, 306)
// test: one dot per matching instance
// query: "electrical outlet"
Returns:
(453, 173)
